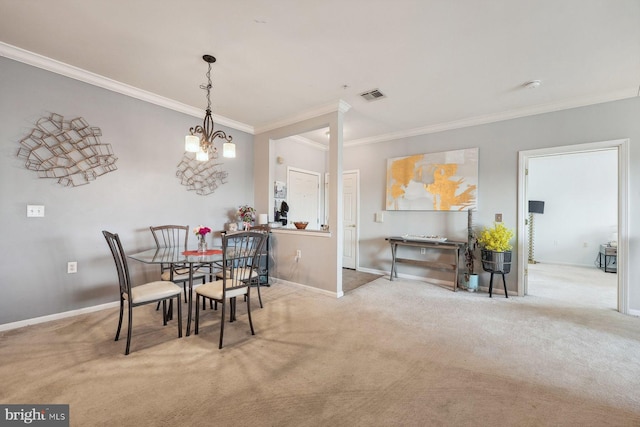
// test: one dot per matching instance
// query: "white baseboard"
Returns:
(309, 288)
(57, 316)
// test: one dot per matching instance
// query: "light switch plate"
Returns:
(498, 217)
(379, 217)
(34, 211)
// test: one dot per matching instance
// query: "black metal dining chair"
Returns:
(170, 236)
(240, 252)
(159, 291)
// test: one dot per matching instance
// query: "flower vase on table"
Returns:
(202, 244)
(201, 232)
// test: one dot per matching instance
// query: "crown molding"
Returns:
(498, 117)
(341, 107)
(54, 66)
(309, 142)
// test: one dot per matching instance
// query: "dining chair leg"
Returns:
(170, 310)
(249, 314)
(197, 313)
(232, 309)
(223, 303)
(129, 329)
(179, 315)
(120, 320)
(164, 312)
(259, 296)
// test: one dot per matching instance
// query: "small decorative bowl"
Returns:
(301, 225)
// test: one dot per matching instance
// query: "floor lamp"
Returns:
(535, 207)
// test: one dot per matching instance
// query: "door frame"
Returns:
(356, 249)
(356, 172)
(622, 147)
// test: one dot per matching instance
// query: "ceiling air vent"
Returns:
(372, 95)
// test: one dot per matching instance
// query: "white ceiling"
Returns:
(441, 64)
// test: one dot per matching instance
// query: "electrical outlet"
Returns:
(298, 254)
(499, 217)
(72, 267)
(423, 251)
(34, 211)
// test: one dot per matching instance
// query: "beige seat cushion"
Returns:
(213, 290)
(153, 291)
(241, 271)
(183, 276)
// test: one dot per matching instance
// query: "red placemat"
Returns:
(208, 252)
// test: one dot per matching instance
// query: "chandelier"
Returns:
(200, 138)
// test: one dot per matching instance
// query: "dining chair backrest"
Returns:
(119, 257)
(167, 236)
(241, 252)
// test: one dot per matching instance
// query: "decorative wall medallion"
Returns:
(67, 150)
(198, 176)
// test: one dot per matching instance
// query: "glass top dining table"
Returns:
(189, 259)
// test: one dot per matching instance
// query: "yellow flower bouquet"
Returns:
(496, 238)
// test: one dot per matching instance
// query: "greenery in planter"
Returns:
(496, 238)
(472, 242)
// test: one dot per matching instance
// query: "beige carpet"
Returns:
(386, 354)
(353, 279)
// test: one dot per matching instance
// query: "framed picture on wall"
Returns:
(280, 190)
(446, 181)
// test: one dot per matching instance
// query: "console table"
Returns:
(447, 246)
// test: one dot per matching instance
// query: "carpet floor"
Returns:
(386, 354)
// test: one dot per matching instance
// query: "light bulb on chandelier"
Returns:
(200, 138)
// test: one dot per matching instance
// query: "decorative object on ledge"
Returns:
(202, 177)
(247, 215)
(446, 181)
(535, 207)
(301, 225)
(68, 150)
(202, 145)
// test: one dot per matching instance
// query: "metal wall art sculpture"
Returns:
(67, 150)
(202, 177)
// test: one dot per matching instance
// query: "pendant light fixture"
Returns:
(200, 138)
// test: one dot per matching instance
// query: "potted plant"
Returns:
(470, 277)
(495, 245)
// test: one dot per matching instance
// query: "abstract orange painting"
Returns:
(446, 181)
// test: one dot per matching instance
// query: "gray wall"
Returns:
(499, 145)
(144, 190)
(581, 205)
(148, 141)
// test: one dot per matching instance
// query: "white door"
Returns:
(303, 197)
(350, 218)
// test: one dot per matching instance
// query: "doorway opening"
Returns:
(621, 148)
